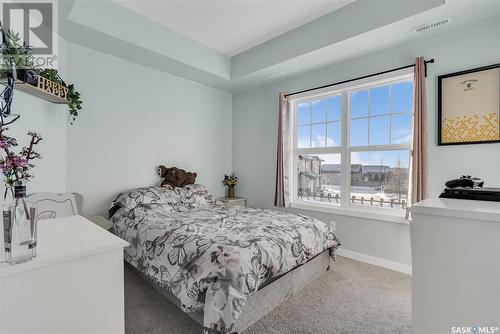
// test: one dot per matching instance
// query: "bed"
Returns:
(224, 265)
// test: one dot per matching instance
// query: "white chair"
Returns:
(52, 205)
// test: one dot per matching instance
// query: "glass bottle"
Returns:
(20, 227)
(2, 238)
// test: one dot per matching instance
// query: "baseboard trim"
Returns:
(376, 261)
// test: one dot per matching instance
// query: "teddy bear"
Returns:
(173, 176)
(176, 177)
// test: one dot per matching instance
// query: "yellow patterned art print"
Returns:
(470, 107)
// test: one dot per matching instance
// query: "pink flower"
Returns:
(14, 162)
(15, 167)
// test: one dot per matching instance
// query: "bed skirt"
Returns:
(270, 296)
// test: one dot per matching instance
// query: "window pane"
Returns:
(401, 128)
(380, 179)
(334, 108)
(333, 134)
(359, 132)
(359, 104)
(303, 136)
(379, 101)
(304, 113)
(379, 130)
(318, 135)
(318, 111)
(402, 97)
(319, 178)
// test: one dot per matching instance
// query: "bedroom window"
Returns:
(352, 146)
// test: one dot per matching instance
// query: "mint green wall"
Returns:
(255, 131)
(50, 120)
(136, 118)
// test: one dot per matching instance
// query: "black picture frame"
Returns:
(440, 104)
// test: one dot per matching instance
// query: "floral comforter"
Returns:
(210, 255)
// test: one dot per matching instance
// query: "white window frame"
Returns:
(345, 207)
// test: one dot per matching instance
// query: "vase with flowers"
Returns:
(230, 181)
(19, 214)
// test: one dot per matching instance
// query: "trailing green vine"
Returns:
(73, 97)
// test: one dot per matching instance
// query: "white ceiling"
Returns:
(232, 26)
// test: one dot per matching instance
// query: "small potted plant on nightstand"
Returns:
(230, 182)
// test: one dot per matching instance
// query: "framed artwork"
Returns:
(469, 106)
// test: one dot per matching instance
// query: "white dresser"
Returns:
(74, 285)
(455, 266)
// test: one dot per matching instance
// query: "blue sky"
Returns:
(386, 110)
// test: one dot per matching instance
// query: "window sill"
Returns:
(368, 213)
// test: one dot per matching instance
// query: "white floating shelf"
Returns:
(35, 91)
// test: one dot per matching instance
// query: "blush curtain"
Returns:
(420, 150)
(282, 192)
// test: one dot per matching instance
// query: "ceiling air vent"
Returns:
(433, 25)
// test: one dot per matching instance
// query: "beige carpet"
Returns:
(353, 298)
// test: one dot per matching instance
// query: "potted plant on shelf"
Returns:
(17, 53)
(73, 96)
(230, 182)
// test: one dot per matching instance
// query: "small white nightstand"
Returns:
(102, 222)
(234, 200)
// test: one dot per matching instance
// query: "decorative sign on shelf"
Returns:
(43, 88)
(52, 87)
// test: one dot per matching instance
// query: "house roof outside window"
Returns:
(309, 157)
(309, 174)
(335, 168)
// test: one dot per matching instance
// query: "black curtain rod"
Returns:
(359, 78)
